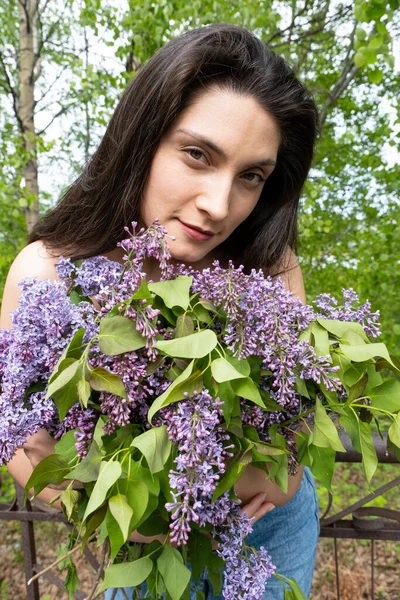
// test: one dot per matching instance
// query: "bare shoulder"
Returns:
(289, 271)
(35, 260)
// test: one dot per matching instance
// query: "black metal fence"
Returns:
(368, 523)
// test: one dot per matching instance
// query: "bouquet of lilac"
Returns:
(160, 393)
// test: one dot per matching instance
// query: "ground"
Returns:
(354, 556)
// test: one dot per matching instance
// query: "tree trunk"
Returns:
(28, 34)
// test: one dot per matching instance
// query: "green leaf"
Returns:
(350, 422)
(375, 76)
(112, 530)
(175, 574)
(65, 372)
(386, 396)
(63, 389)
(129, 574)
(243, 366)
(154, 525)
(319, 339)
(303, 454)
(159, 402)
(138, 503)
(394, 431)
(71, 582)
(138, 471)
(325, 434)
(361, 34)
(122, 513)
(356, 391)
(155, 445)
(88, 469)
(232, 473)
(339, 328)
(222, 371)
(83, 389)
(280, 470)
(269, 449)
(246, 388)
(66, 446)
(215, 570)
(370, 460)
(294, 592)
(72, 351)
(202, 314)
(201, 554)
(323, 464)
(102, 380)
(95, 520)
(184, 326)
(359, 59)
(119, 335)
(366, 352)
(174, 292)
(109, 473)
(197, 345)
(51, 469)
(69, 499)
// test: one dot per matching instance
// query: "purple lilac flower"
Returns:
(43, 325)
(91, 275)
(329, 309)
(193, 425)
(247, 571)
(84, 421)
(147, 243)
(264, 319)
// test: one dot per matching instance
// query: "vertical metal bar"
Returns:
(337, 569)
(372, 570)
(28, 546)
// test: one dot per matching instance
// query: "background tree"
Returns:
(84, 53)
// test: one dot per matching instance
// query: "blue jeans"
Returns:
(289, 533)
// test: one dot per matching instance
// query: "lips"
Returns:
(197, 232)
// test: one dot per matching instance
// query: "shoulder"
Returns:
(289, 271)
(35, 260)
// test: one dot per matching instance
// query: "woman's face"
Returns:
(208, 172)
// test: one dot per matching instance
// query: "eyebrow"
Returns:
(268, 162)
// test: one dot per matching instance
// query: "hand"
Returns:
(257, 507)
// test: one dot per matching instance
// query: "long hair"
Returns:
(91, 216)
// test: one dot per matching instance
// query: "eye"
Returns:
(255, 178)
(196, 154)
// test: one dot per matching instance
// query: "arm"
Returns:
(32, 261)
(253, 480)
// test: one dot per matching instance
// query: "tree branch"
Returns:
(349, 71)
(290, 27)
(58, 114)
(11, 90)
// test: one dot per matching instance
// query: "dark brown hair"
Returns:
(90, 217)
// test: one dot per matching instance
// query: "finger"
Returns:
(251, 507)
(265, 508)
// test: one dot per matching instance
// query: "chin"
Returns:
(187, 255)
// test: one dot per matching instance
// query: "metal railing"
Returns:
(367, 523)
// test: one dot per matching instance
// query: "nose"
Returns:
(215, 198)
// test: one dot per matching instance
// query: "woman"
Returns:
(214, 137)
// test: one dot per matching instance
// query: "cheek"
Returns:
(243, 210)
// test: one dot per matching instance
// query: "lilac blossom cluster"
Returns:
(247, 571)
(83, 420)
(264, 320)
(42, 326)
(193, 425)
(351, 310)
